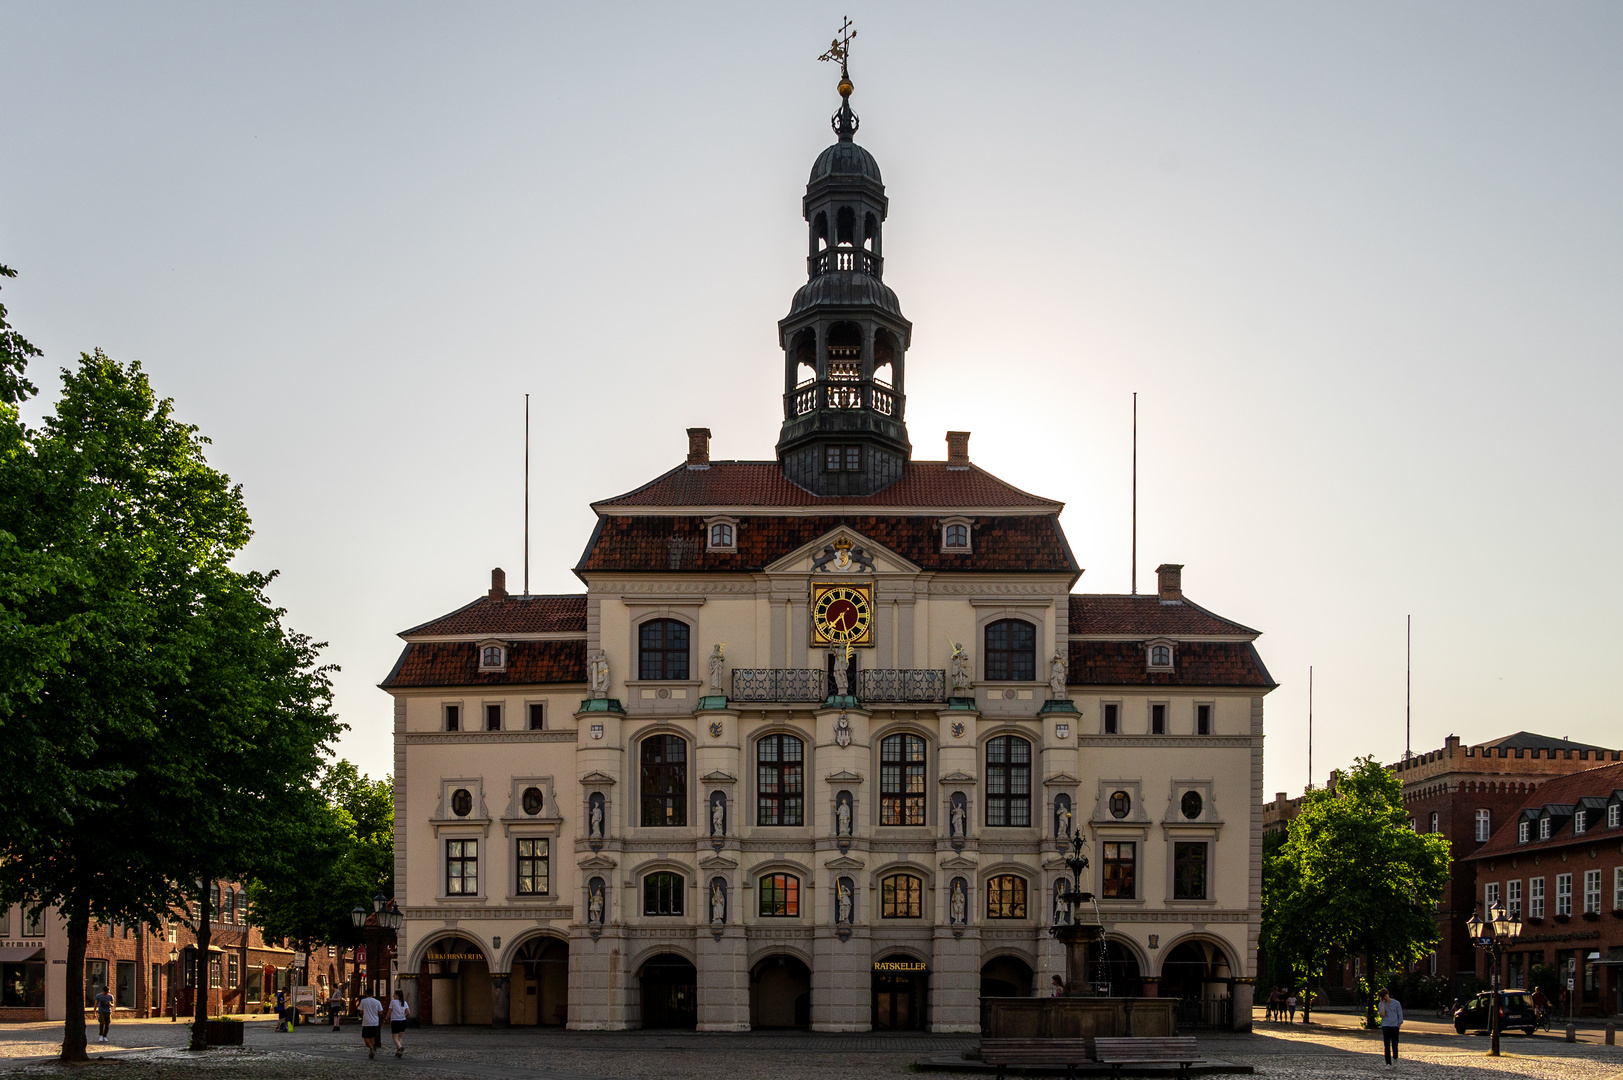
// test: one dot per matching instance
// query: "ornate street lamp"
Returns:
(1081, 927)
(1492, 934)
(174, 969)
(383, 916)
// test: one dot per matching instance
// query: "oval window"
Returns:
(461, 802)
(532, 801)
(1193, 804)
(1121, 804)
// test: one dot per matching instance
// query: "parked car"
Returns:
(1515, 1011)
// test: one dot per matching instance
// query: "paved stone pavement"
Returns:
(151, 1051)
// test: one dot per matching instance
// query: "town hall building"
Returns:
(808, 748)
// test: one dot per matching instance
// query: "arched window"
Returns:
(662, 894)
(664, 781)
(491, 656)
(1160, 656)
(214, 903)
(780, 781)
(901, 780)
(1011, 651)
(845, 226)
(956, 537)
(780, 896)
(228, 906)
(870, 231)
(901, 897)
(721, 535)
(1008, 781)
(1006, 897)
(664, 652)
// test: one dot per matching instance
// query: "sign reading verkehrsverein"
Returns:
(898, 965)
(454, 956)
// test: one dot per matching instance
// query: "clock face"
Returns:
(842, 614)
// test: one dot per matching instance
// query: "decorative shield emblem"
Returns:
(715, 729)
(958, 729)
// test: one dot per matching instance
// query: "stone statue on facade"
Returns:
(1056, 676)
(842, 675)
(597, 673)
(1062, 826)
(958, 671)
(718, 818)
(958, 817)
(718, 670)
(960, 902)
(718, 902)
(595, 830)
(594, 906)
(842, 818)
(842, 903)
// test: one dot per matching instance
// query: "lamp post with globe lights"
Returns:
(1492, 934)
(384, 916)
(174, 970)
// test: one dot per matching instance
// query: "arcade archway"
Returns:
(455, 980)
(1006, 976)
(669, 986)
(901, 987)
(1114, 962)
(780, 993)
(1197, 974)
(540, 983)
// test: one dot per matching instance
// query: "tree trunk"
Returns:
(1307, 992)
(1369, 983)
(73, 1024)
(200, 1014)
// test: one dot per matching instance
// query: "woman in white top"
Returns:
(398, 1011)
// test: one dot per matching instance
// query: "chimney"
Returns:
(698, 448)
(498, 584)
(957, 449)
(1170, 578)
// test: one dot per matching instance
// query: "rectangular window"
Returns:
(33, 922)
(1614, 815)
(174, 932)
(1543, 828)
(22, 986)
(1112, 719)
(1006, 897)
(124, 987)
(233, 971)
(1535, 898)
(780, 896)
(1524, 831)
(901, 896)
(155, 988)
(1591, 891)
(1203, 719)
(662, 894)
(1580, 822)
(1483, 820)
(1617, 889)
(453, 718)
(461, 867)
(780, 781)
(1513, 897)
(95, 981)
(1158, 719)
(214, 972)
(1120, 870)
(1188, 871)
(493, 717)
(1008, 782)
(537, 715)
(901, 780)
(1435, 822)
(1563, 894)
(534, 866)
(5, 921)
(1490, 896)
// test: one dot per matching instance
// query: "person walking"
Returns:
(371, 1009)
(104, 1014)
(1273, 1003)
(335, 1008)
(398, 1011)
(1290, 1006)
(1059, 987)
(1390, 1010)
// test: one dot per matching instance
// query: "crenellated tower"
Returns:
(844, 340)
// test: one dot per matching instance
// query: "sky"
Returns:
(1360, 262)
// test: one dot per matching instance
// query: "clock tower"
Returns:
(844, 340)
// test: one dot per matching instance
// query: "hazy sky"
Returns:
(1355, 258)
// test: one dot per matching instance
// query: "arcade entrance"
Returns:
(540, 983)
(670, 992)
(457, 983)
(780, 993)
(900, 990)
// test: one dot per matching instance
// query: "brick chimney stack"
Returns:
(1169, 577)
(957, 449)
(698, 448)
(498, 584)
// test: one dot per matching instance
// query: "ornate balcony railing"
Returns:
(901, 684)
(779, 684)
(838, 258)
(816, 394)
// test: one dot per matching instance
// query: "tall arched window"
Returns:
(228, 906)
(1008, 781)
(1011, 651)
(901, 780)
(664, 781)
(901, 896)
(663, 652)
(780, 781)
(214, 902)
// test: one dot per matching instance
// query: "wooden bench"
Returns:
(1116, 1052)
(1064, 1054)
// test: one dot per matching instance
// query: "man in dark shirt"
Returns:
(104, 1013)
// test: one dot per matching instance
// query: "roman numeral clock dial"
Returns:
(842, 614)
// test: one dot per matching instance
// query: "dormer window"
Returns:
(955, 536)
(721, 534)
(1160, 656)
(1580, 821)
(492, 656)
(1614, 818)
(1544, 828)
(1524, 832)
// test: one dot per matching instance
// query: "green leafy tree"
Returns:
(1353, 875)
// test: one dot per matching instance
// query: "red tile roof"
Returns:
(1195, 663)
(1030, 544)
(514, 615)
(456, 663)
(1561, 790)
(1145, 616)
(762, 483)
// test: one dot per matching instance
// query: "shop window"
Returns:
(780, 896)
(1006, 897)
(664, 782)
(780, 781)
(95, 981)
(534, 861)
(124, 984)
(662, 894)
(1120, 870)
(1189, 870)
(901, 780)
(22, 986)
(663, 649)
(1008, 781)
(901, 896)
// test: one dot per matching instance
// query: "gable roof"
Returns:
(552, 614)
(1527, 740)
(1145, 616)
(456, 663)
(1195, 663)
(1559, 791)
(665, 543)
(742, 484)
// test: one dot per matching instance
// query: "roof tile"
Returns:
(1195, 663)
(514, 615)
(1566, 790)
(762, 483)
(456, 663)
(1146, 615)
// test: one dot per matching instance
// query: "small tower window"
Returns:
(1160, 657)
(845, 225)
(842, 459)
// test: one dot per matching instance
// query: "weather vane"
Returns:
(840, 48)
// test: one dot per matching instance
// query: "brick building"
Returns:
(133, 964)
(1467, 793)
(1558, 860)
